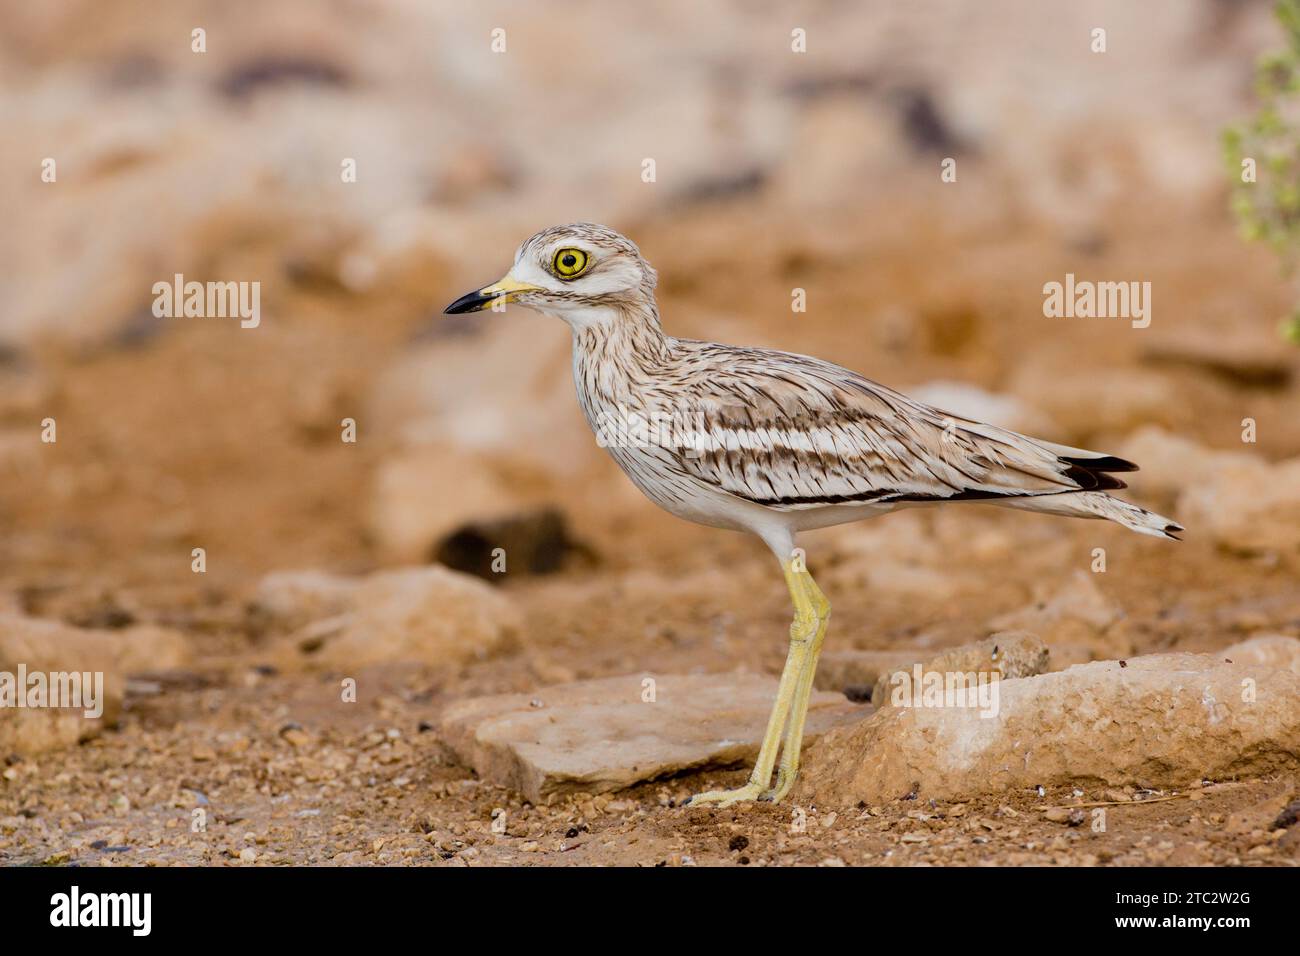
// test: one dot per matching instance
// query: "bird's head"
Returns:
(584, 273)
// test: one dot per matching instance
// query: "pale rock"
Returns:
(1264, 802)
(1250, 508)
(1165, 721)
(149, 648)
(291, 599)
(514, 448)
(1240, 501)
(49, 646)
(425, 492)
(1169, 463)
(1266, 650)
(1065, 654)
(426, 615)
(603, 735)
(846, 140)
(1007, 654)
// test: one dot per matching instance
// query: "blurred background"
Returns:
(774, 170)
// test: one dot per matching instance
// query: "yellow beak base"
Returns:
(505, 291)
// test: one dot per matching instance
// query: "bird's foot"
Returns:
(725, 798)
(784, 784)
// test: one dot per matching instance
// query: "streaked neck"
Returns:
(629, 330)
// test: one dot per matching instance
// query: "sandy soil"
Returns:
(776, 170)
(194, 436)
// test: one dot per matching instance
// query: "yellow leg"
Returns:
(803, 632)
(789, 768)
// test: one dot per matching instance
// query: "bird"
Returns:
(775, 444)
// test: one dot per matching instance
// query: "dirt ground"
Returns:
(776, 172)
(184, 448)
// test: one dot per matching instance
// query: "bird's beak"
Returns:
(506, 290)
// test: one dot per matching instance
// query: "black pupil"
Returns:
(570, 260)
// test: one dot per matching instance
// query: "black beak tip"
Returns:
(467, 303)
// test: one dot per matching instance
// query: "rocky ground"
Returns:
(349, 680)
(231, 682)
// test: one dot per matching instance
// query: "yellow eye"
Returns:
(570, 263)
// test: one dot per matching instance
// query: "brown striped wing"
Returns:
(790, 432)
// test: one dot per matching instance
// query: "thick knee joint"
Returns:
(805, 626)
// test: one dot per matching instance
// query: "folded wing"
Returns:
(790, 432)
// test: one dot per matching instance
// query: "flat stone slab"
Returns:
(603, 735)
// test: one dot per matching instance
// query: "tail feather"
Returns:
(1092, 479)
(1101, 462)
(1092, 471)
(1095, 504)
(1092, 460)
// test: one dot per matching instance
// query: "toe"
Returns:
(779, 792)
